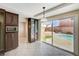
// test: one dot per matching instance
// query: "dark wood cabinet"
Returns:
(15, 20)
(8, 18)
(8, 30)
(2, 30)
(15, 39)
(11, 31)
(11, 41)
(11, 19)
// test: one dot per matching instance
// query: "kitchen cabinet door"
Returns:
(8, 18)
(2, 30)
(9, 41)
(15, 39)
(15, 19)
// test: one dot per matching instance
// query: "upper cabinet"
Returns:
(8, 18)
(15, 19)
(11, 19)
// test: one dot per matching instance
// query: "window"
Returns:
(59, 33)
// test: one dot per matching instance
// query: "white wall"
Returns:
(22, 20)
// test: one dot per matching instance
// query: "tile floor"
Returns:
(36, 49)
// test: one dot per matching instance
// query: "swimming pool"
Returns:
(66, 36)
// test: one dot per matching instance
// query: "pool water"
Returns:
(67, 37)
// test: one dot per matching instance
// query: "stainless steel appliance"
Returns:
(11, 28)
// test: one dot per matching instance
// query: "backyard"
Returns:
(60, 34)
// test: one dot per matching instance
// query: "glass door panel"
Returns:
(46, 31)
(32, 30)
(36, 29)
(63, 34)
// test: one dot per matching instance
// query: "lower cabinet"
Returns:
(15, 39)
(11, 41)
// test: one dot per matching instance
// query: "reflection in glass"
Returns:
(59, 33)
(46, 32)
(63, 34)
(36, 30)
(32, 30)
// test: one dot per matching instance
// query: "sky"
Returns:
(55, 23)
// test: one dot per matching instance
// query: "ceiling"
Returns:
(63, 8)
(27, 9)
(32, 9)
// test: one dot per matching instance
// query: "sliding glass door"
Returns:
(63, 34)
(46, 31)
(59, 33)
